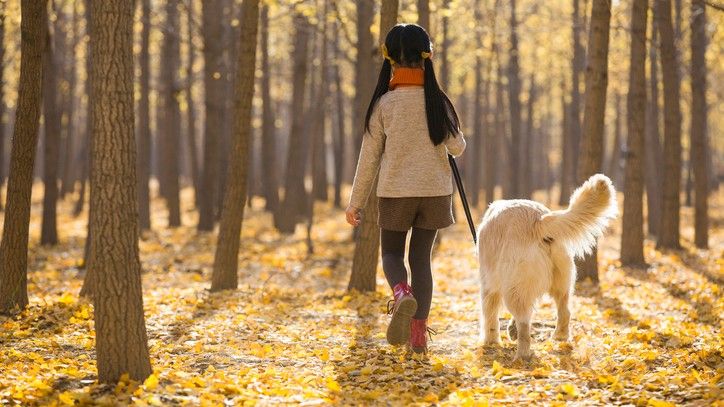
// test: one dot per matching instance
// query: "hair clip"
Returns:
(383, 49)
(425, 55)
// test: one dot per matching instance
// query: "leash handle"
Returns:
(463, 198)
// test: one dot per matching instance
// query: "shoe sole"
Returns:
(398, 332)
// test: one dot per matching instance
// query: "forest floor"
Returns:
(291, 334)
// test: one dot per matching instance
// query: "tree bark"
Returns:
(367, 244)
(268, 136)
(213, 100)
(594, 113)
(654, 158)
(515, 109)
(190, 103)
(363, 69)
(614, 163)
(319, 129)
(14, 245)
(144, 121)
(293, 207)
(51, 114)
(527, 159)
(632, 236)
(121, 343)
(669, 235)
(3, 108)
(572, 148)
(69, 164)
(226, 259)
(339, 134)
(699, 139)
(423, 15)
(170, 57)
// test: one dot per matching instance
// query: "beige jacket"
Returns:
(399, 146)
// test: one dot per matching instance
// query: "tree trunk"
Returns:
(632, 237)
(121, 344)
(526, 163)
(213, 100)
(572, 148)
(319, 145)
(170, 57)
(226, 259)
(423, 15)
(654, 158)
(85, 150)
(669, 236)
(443, 56)
(51, 114)
(268, 136)
(614, 163)
(190, 104)
(363, 69)
(339, 137)
(367, 244)
(500, 140)
(3, 108)
(14, 246)
(594, 113)
(699, 139)
(514, 105)
(293, 208)
(69, 164)
(144, 121)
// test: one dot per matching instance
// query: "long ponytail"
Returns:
(383, 85)
(442, 119)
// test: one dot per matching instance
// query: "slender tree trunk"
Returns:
(51, 114)
(85, 151)
(319, 146)
(699, 138)
(500, 141)
(565, 145)
(268, 136)
(14, 245)
(170, 57)
(515, 109)
(632, 236)
(144, 121)
(292, 208)
(526, 163)
(444, 56)
(3, 108)
(339, 135)
(190, 104)
(213, 99)
(669, 236)
(226, 260)
(69, 164)
(423, 14)
(654, 158)
(363, 69)
(367, 244)
(595, 109)
(121, 343)
(574, 118)
(614, 163)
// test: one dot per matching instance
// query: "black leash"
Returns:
(463, 198)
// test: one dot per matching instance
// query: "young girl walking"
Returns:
(410, 128)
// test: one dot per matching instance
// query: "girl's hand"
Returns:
(354, 216)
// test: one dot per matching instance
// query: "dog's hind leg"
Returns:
(522, 311)
(563, 273)
(490, 328)
(564, 316)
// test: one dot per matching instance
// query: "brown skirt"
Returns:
(427, 212)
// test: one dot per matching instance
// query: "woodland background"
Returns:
(174, 172)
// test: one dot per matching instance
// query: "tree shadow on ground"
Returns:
(374, 372)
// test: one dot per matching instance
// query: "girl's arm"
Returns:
(455, 145)
(373, 144)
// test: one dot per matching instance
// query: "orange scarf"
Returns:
(407, 77)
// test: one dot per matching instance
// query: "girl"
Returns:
(410, 128)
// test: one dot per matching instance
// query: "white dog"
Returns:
(527, 250)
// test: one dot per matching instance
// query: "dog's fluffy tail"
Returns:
(591, 207)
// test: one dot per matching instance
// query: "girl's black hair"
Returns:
(405, 44)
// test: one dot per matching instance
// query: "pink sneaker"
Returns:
(418, 335)
(404, 307)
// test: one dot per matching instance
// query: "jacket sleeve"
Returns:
(455, 144)
(373, 145)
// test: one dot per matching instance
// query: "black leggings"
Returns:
(393, 263)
